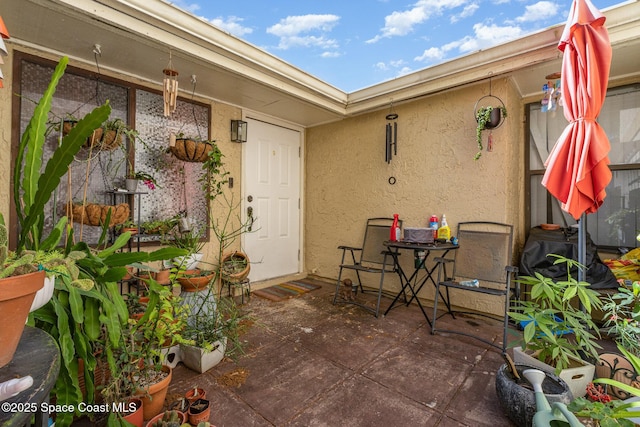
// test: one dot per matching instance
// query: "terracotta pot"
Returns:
(181, 417)
(135, 416)
(194, 394)
(194, 284)
(153, 397)
(16, 296)
(162, 277)
(232, 274)
(199, 411)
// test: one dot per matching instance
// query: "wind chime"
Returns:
(170, 89)
(391, 141)
(552, 94)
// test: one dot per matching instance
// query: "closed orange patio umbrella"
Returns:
(578, 165)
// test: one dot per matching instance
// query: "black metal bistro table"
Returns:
(37, 355)
(414, 283)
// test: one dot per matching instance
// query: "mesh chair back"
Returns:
(376, 233)
(485, 250)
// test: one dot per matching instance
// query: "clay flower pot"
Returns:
(194, 394)
(153, 397)
(135, 414)
(16, 296)
(196, 282)
(199, 411)
(182, 418)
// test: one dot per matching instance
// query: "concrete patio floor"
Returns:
(310, 363)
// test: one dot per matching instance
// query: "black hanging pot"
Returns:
(495, 116)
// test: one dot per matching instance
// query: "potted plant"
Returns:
(136, 359)
(607, 412)
(488, 118)
(558, 326)
(212, 331)
(168, 419)
(192, 241)
(82, 313)
(160, 226)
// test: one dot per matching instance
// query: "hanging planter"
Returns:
(488, 118)
(191, 150)
(96, 214)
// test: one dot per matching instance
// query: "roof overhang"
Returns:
(137, 37)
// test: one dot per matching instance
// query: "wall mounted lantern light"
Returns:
(238, 131)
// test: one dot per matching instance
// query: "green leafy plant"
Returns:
(483, 117)
(556, 327)
(86, 312)
(611, 413)
(622, 317)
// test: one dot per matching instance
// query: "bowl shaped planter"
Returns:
(235, 267)
(164, 418)
(577, 376)
(201, 360)
(517, 398)
(198, 281)
(16, 296)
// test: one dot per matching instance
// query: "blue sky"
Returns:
(352, 44)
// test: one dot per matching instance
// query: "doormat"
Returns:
(285, 291)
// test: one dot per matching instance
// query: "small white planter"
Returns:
(171, 355)
(44, 294)
(199, 360)
(189, 262)
(577, 377)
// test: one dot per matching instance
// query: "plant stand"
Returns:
(244, 286)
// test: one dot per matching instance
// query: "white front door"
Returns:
(272, 197)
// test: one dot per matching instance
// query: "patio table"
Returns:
(414, 283)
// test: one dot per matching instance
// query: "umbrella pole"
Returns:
(582, 247)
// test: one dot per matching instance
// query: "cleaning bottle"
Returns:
(395, 229)
(444, 232)
(433, 225)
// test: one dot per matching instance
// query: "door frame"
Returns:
(274, 121)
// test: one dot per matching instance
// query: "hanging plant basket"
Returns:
(99, 140)
(488, 118)
(496, 113)
(190, 150)
(96, 214)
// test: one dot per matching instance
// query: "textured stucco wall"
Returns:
(347, 176)
(5, 134)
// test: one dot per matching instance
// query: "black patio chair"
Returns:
(482, 264)
(372, 257)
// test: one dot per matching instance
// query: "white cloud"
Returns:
(292, 30)
(233, 25)
(468, 11)
(431, 54)
(401, 23)
(391, 65)
(489, 35)
(538, 12)
(329, 54)
(484, 37)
